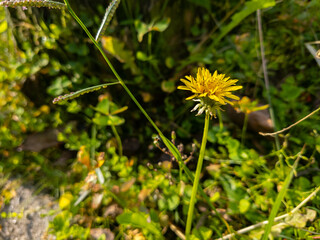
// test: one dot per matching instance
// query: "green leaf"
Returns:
(203, 3)
(170, 63)
(139, 220)
(143, 28)
(74, 107)
(168, 86)
(143, 57)
(107, 107)
(109, 120)
(80, 49)
(290, 92)
(59, 85)
(161, 25)
(173, 202)
(117, 49)
(250, 7)
(3, 26)
(202, 233)
(244, 205)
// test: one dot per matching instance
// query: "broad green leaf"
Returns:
(143, 57)
(143, 28)
(202, 233)
(109, 108)
(3, 22)
(168, 86)
(3, 26)
(244, 205)
(109, 120)
(74, 107)
(139, 220)
(169, 62)
(103, 106)
(173, 202)
(290, 92)
(250, 7)
(79, 49)
(117, 49)
(59, 85)
(161, 25)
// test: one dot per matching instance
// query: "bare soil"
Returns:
(32, 224)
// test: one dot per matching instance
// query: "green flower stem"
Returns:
(244, 128)
(197, 176)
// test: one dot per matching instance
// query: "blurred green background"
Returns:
(44, 53)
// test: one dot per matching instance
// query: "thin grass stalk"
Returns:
(266, 77)
(197, 176)
(292, 125)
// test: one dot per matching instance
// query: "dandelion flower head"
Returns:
(211, 90)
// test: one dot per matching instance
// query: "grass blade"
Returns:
(280, 197)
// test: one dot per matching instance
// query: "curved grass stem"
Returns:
(197, 176)
(111, 66)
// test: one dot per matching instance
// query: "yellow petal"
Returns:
(183, 88)
(233, 97)
(191, 97)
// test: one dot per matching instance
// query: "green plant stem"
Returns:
(115, 132)
(244, 128)
(197, 176)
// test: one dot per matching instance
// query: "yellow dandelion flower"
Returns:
(211, 90)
